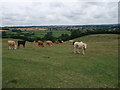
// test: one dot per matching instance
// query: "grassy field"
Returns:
(56, 33)
(59, 67)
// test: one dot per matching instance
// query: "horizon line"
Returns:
(58, 25)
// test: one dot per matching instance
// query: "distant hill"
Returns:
(64, 26)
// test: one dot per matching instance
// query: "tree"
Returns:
(4, 35)
(64, 37)
(75, 34)
(49, 36)
(15, 30)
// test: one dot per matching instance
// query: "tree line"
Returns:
(30, 36)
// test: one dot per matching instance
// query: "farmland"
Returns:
(59, 67)
(55, 33)
(63, 32)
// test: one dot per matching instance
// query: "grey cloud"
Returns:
(59, 13)
(57, 4)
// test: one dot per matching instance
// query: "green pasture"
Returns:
(59, 67)
(56, 33)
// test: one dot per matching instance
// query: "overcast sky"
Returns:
(58, 13)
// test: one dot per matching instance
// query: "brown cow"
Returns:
(21, 42)
(49, 43)
(57, 42)
(12, 45)
(40, 43)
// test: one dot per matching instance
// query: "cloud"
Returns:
(48, 13)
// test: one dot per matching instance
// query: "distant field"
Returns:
(55, 33)
(43, 32)
(3, 30)
(29, 29)
(59, 67)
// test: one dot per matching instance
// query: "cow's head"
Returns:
(15, 47)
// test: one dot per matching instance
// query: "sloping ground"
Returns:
(0, 63)
(59, 67)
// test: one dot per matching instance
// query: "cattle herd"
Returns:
(78, 46)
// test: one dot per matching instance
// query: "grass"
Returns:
(0, 63)
(59, 67)
(42, 33)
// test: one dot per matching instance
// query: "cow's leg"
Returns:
(9, 47)
(23, 45)
(83, 52)
(18, 45)
(12, 47)
(50, 44)
(15, 47)
(75, 50)
(42, 45)
(78, 50)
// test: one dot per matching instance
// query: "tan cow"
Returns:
(49, 43)
(12, 45)
(72, 41)
(40, 43)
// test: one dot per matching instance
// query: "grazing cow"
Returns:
(12, 45)
(72, 41)
(58, 41)
(49, 43)
(21, 42)
(80, 46)
(40, 43)
(33, 41)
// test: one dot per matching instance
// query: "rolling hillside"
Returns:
(59, 67)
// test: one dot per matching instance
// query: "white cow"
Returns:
(12, 45)
(80, 46)
(71, 41)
